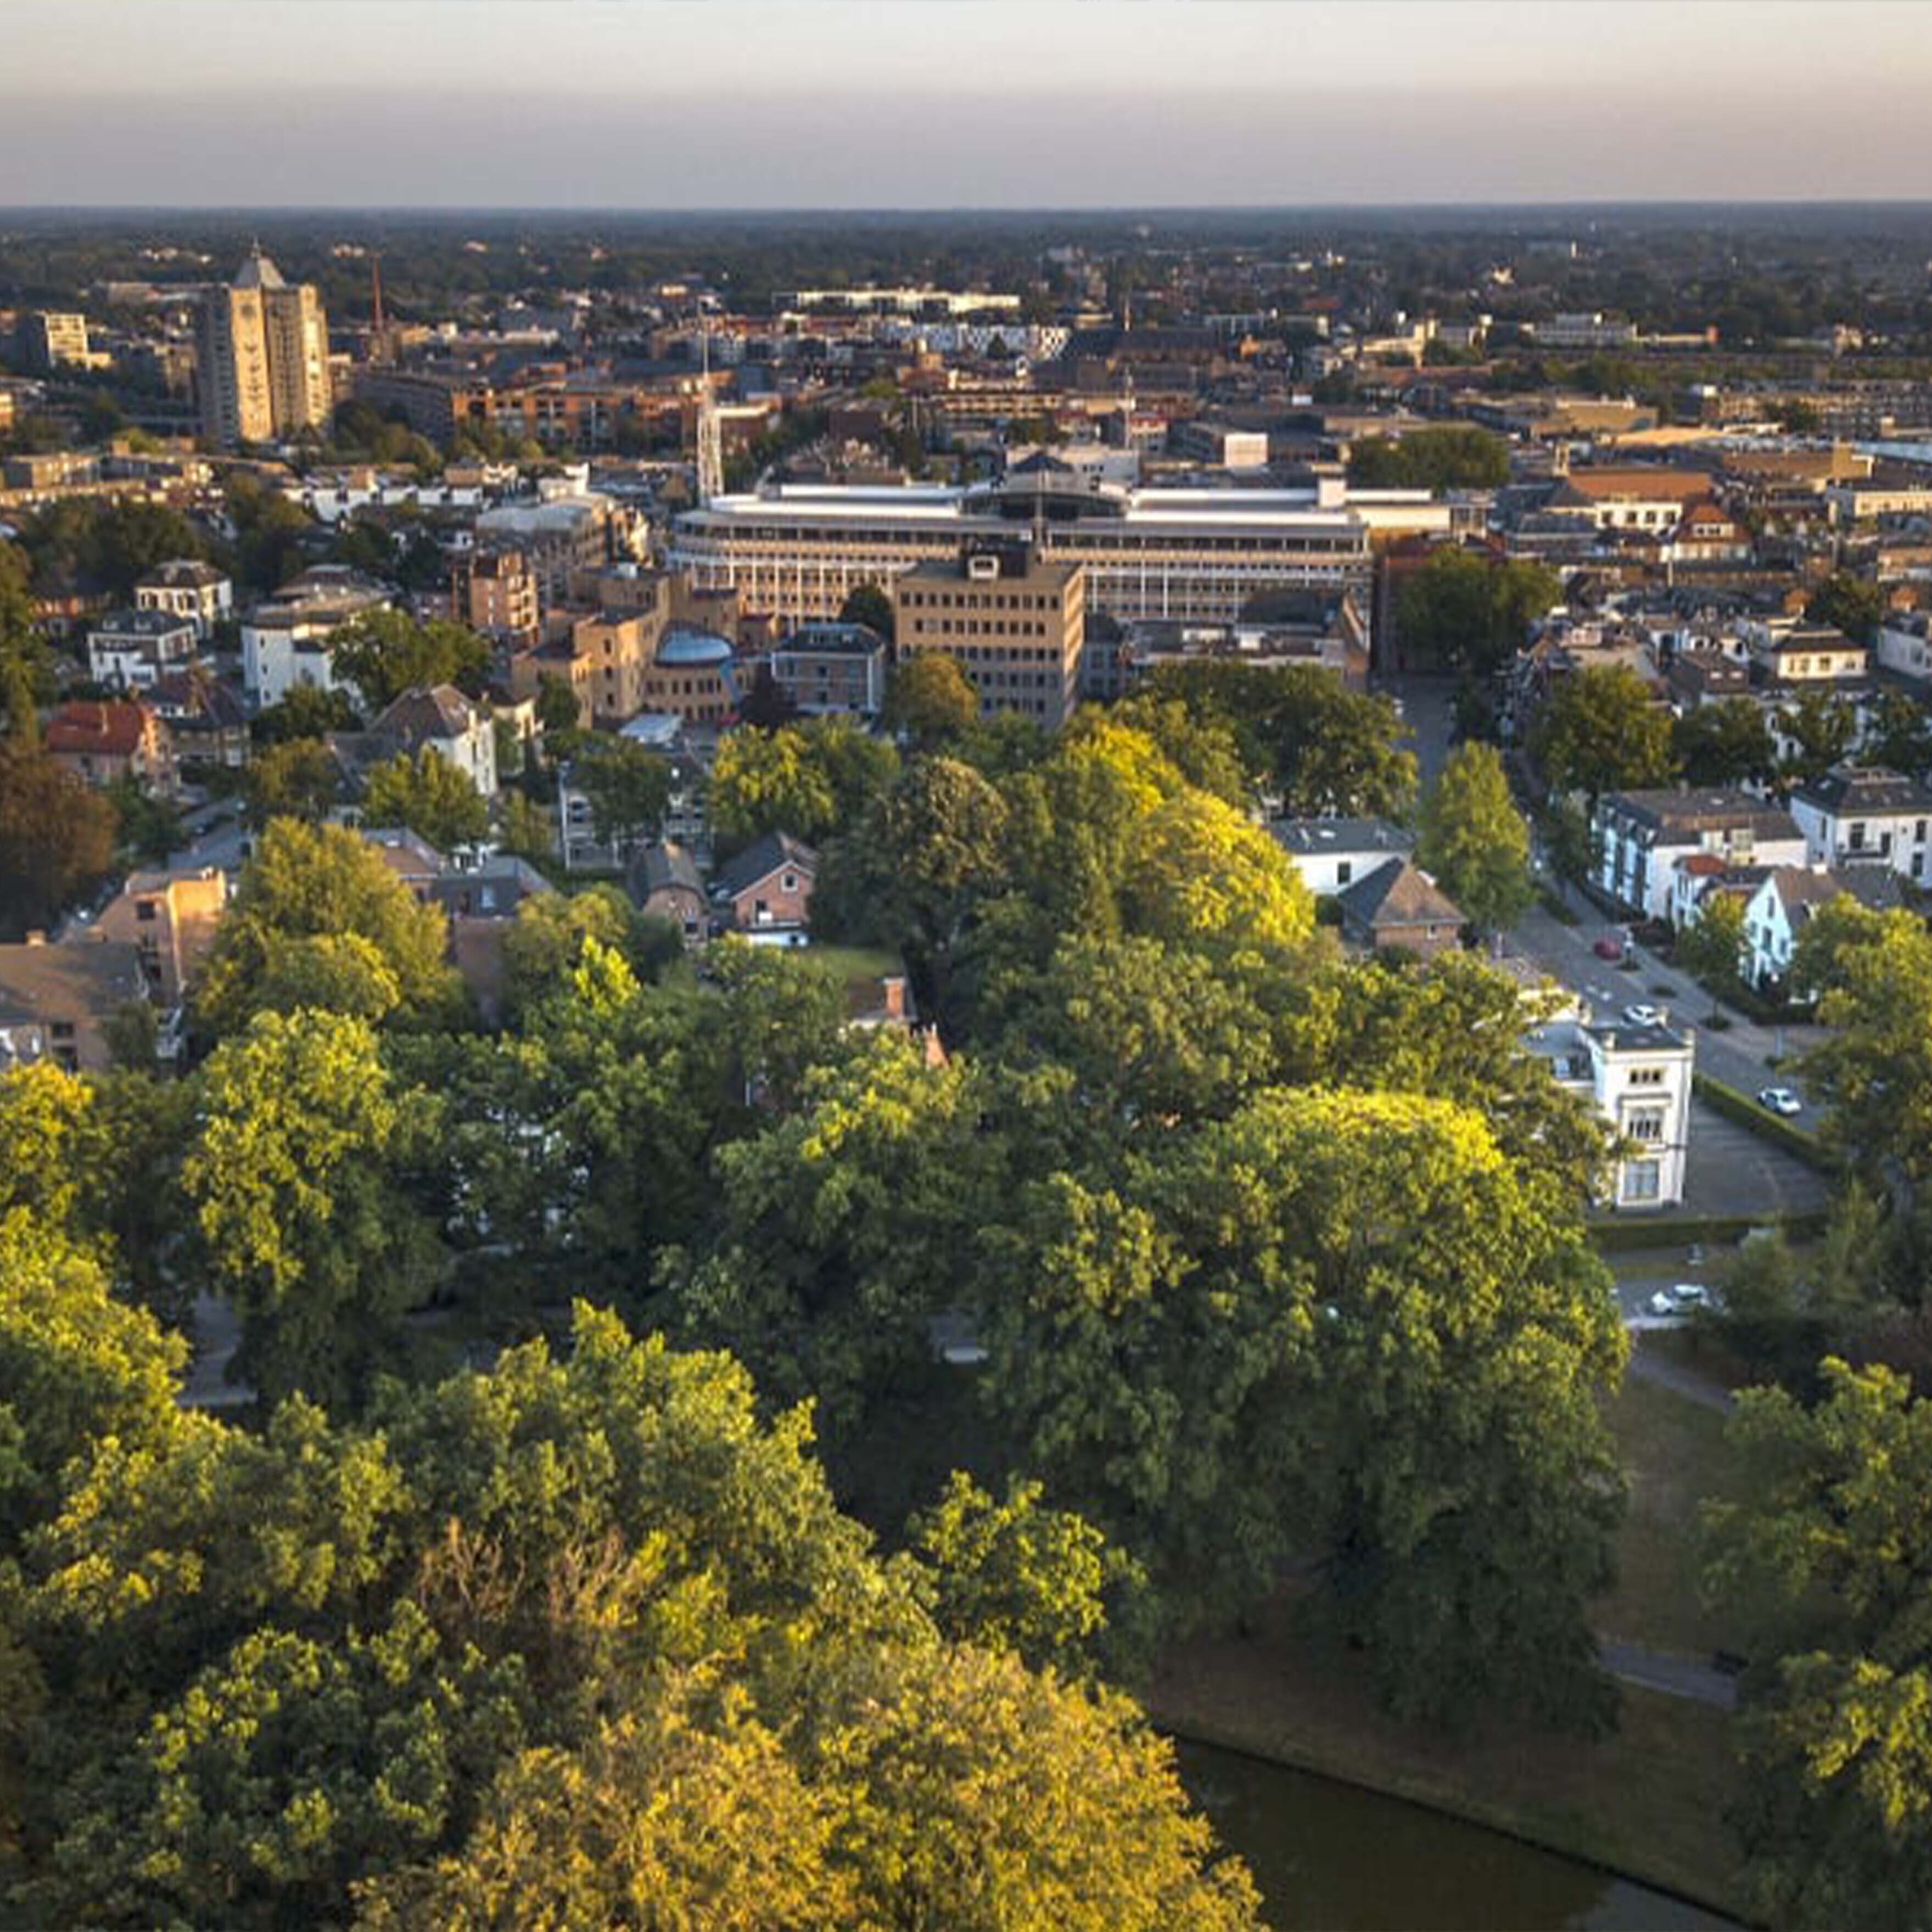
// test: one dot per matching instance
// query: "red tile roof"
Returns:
(113, 730)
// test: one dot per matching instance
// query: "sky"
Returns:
(678, 104)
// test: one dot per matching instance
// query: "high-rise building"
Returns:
(49, 340)
(262, 357)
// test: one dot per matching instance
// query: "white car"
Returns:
(1680, 1298)
(1642, 1015)
(1780, 1100)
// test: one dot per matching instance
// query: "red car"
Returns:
(1607, 948)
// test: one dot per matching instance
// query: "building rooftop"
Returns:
(1398, 893)
(1672, 809)
(1851, 788)
(106, 729)
(834, 640)
(1316, 836)
(759, 860)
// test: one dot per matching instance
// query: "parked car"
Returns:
(1642, 1014)
(1780, 1100)
(1680, 1298)
(1609, 947)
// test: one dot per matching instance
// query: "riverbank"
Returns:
(1645, 1803)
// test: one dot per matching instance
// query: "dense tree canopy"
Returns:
(56, 837)
(429, 795)
(384, 653)
(1827, 1565)
(1303, 735)
(1603, 730)
(1855, 605)
(1471, 612)
(930, 697)
(1456, 457)
(1725, 743)
(317, 909)
(544, 1646)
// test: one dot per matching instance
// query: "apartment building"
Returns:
(565, 530)
(494, 592)
(285, 641)
(262, 357)
(49, 340)
(1857, 815)
(1012, 622)
(1639, 1079)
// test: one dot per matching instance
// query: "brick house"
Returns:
(767, 887)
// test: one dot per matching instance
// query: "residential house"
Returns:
(1783, 901)
(206, 722)
(55, 1001)
(1639, 1079)
(1905, 645)
(1705, 533)
(1634, 499)
(185, 588)
(458, 730)
(767, 888)
(1639, 836)
(1332, 854)
(1398, 904)
(481, 900)
(1789, 652)
(170, 918)
(100, 742)
(1858, 815)
(666, 882)
(133, 650)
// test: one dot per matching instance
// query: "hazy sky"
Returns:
(905, 103)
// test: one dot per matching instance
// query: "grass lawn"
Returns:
(1674, 1454)
(854, 962)
(1649, 1802)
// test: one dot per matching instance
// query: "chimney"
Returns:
(892, 987)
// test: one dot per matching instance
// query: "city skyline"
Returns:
(940, 103)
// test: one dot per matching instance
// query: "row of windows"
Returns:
(990, 627)
(977, 600)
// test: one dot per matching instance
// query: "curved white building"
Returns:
(794, 553)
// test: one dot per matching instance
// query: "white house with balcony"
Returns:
(134, 650)
(184, 587)
(1861, 815)
(1638, 1078)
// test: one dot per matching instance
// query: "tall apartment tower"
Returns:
(262, 357)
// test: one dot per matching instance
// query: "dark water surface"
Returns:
(1330, 1857)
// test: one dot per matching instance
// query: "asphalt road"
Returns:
(1675, 1676)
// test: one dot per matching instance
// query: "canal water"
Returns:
(1330, 1857)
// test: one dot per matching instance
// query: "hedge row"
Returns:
(1762, 1122)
